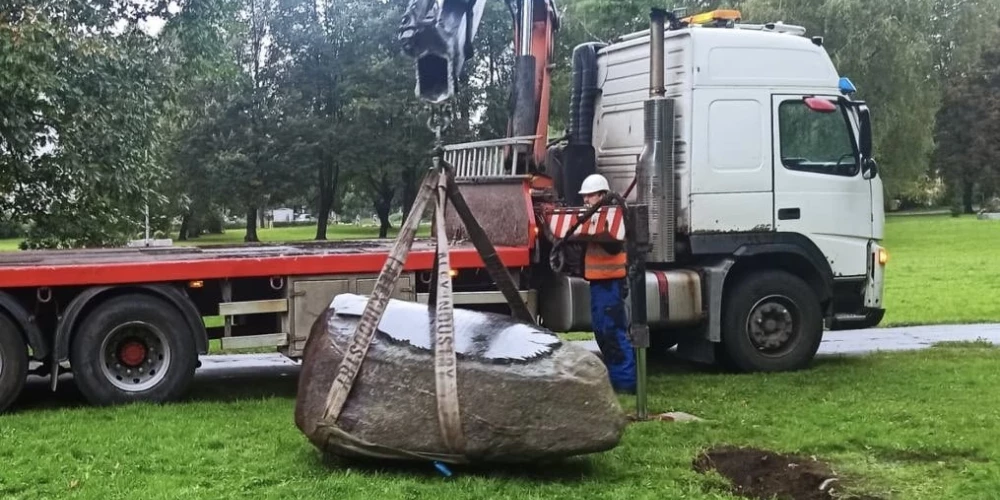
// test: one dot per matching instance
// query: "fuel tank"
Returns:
(673, 299)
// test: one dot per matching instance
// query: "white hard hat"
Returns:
(594, 183)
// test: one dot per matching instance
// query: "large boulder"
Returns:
(523, 394)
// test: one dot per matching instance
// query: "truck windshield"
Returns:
(816, 142)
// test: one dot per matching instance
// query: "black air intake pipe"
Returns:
(581, 159)
(585, 90)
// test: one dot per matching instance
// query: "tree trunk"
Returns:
(196, 224)
(382, 209)
(967, 186)
(185, 223)
(383, 204)
(409, 189)
(327, 188)
(251, 236)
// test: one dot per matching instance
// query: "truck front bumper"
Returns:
(875, 281)
(869, 310)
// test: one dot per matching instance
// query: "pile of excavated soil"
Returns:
(762, 474)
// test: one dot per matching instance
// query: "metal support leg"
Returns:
(638, 245)
(227, 296)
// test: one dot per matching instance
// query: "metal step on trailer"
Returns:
(229, 309)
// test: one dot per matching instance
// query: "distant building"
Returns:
(282, 215)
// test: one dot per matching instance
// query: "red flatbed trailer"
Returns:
(130, 323)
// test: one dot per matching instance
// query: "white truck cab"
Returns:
(751, 156)
(777, 202)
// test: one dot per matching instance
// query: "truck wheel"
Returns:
(13, 362)
(771, 321)
(133, 348)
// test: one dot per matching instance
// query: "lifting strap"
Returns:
(439, 181)
(445, 364)
(355, 353)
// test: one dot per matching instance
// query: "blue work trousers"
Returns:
(610, 319)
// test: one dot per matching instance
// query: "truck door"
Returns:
(819, 190)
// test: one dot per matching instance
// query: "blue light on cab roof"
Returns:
(846, 86)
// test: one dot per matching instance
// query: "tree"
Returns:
(385, 112)
(321, 45)
(964, 29)
(243, 134)
(199, 45)
(80, 128)
(968, 124)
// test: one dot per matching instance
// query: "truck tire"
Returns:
(13, 362)
(133, 348)
(771, 321)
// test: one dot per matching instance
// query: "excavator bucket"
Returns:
(438, 34)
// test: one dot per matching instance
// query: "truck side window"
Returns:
(815, 142)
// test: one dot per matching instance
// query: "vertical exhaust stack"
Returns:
(655, 169)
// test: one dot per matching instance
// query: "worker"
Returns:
(605, 267)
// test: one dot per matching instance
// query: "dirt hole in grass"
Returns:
(762, 474)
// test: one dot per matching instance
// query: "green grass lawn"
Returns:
(942, 270)
(926, 429)
(907, 425)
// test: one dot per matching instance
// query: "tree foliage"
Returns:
(79, 126)
(968, 128)
(199, 45)
(238, 106)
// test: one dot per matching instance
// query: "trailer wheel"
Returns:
(771, 321)
(133, 348)
(13, 362)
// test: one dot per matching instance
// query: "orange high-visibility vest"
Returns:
(601, 265)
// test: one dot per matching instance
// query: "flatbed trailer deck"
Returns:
(54, 268)
(130, 323)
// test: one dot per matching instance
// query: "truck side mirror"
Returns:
(865, 144)
(869, 166)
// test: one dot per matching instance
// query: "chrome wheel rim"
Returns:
(135, 356)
